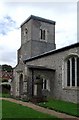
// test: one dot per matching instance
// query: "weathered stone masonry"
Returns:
(41, 69)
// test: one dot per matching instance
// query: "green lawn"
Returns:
(13, 110)
(0, 109)
(4, 95)
(62, 106)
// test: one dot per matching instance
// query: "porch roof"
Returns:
(40, 67)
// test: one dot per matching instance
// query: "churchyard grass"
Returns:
(62, 106)
(4, 95)
(13, 110)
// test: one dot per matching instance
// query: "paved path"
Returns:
(43, 110)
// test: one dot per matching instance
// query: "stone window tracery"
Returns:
(71, 71)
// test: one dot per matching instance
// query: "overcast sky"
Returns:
(13, 14)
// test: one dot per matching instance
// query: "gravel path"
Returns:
(43, 110)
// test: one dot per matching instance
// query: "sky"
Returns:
(13, 14)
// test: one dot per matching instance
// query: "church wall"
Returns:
(26, 50)
(26, 36)
(55, 61)
(48, 75)
(31, 43)
(19, 69)
(49, 29)
(15, 84)
(40, 47)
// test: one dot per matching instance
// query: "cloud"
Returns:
(9, 44)
(6, 25)
(8, 57)
(13, 14)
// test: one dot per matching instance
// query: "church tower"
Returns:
(37, 37)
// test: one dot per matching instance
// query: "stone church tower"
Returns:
(43, 71)
(37, 37)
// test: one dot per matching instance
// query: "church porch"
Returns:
(39, 84)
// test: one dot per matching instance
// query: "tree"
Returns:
(6, 72)
(7, 68)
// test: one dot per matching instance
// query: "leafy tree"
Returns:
(7, 68)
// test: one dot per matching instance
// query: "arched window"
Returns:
(68, 73)
(71, 71)
(43, 34)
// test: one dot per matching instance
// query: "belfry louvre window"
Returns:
(42, 34)
(72, 71)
